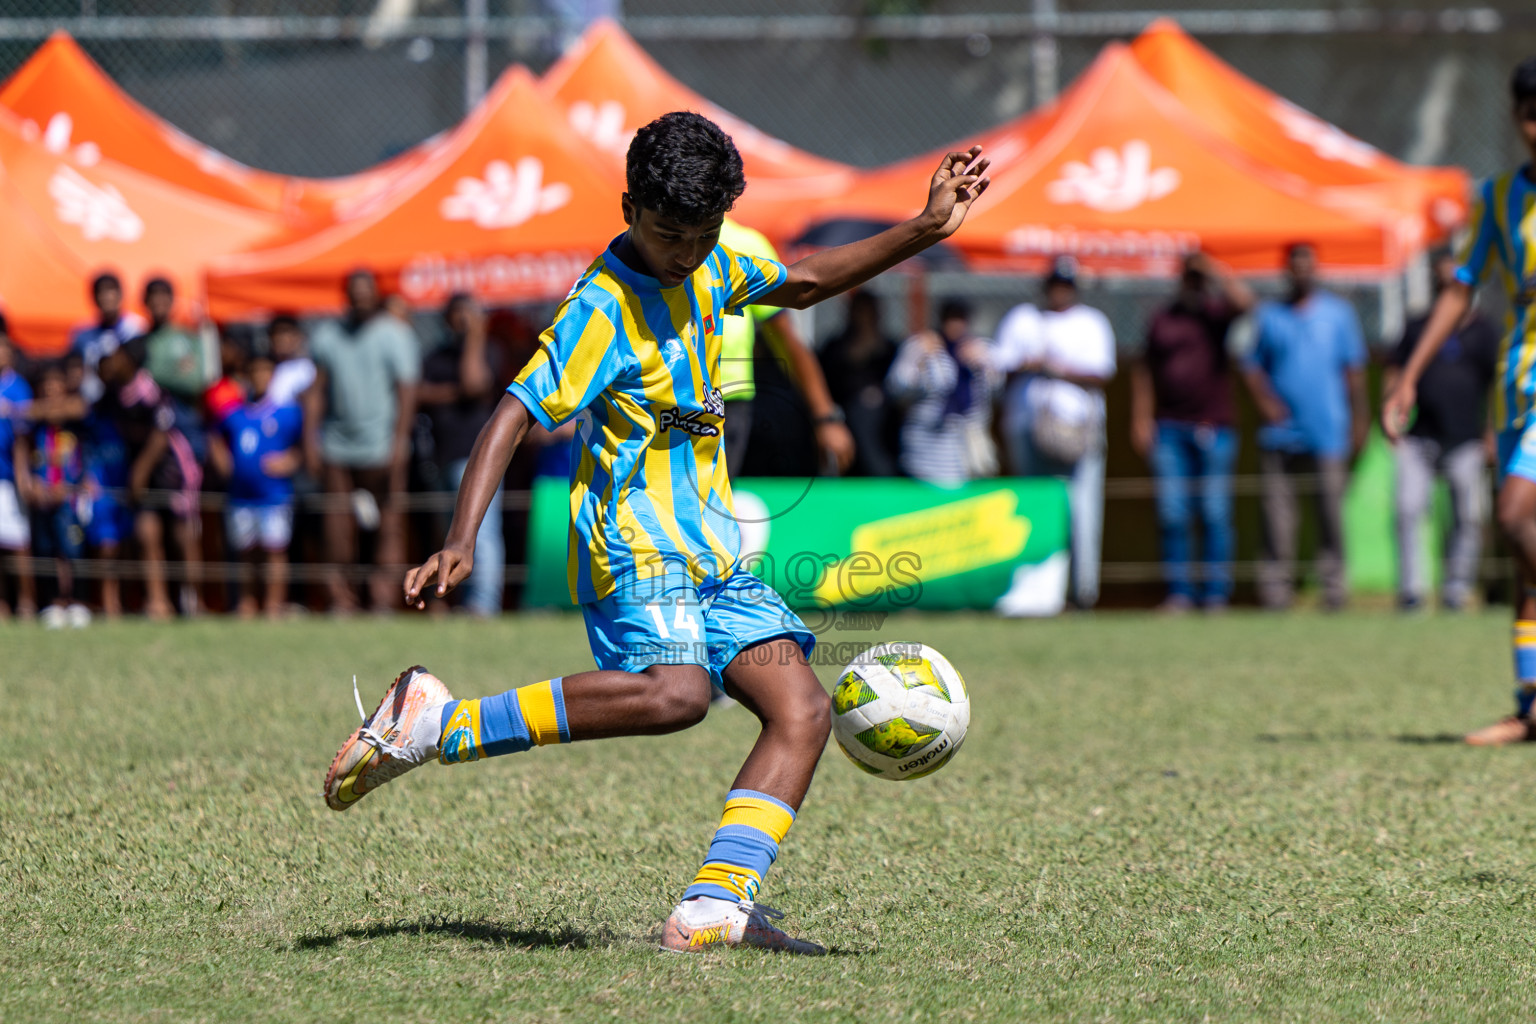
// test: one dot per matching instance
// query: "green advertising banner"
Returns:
(875, 544)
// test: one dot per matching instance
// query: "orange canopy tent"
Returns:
(608, 87)
(42, 284)
(1282, 136)
(512, 211)
(83, 213)
(76, 107)
(1120, 174)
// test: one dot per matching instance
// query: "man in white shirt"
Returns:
(1061, 357)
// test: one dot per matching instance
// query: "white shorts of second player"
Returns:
(15, 531)
(269, 525)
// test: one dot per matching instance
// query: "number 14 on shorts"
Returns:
(682, 621)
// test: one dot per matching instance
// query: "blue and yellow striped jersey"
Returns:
(1504, 226)
(637, 366)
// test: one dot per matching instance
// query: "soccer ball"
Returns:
(900, 711)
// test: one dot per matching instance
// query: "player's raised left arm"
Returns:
(960, 179)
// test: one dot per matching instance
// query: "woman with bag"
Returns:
(946, 380)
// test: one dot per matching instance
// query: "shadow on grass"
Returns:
(474, 931)
(1420, 739)
(1308, 736)
(493, 934)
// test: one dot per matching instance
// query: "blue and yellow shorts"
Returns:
(1517, 452)
(671, 620)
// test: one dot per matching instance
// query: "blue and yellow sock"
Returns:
(744, 847)
(508, 723)
(1523, 639)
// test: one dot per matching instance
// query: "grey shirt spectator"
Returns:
(364, 400)
(364, 364)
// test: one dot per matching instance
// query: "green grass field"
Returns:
(1247, 818)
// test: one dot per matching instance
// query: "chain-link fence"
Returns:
(322, 87)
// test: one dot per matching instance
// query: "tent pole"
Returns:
(1044, 54)
(474, 54)
(917, 298)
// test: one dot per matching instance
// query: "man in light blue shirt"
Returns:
(1307, 375)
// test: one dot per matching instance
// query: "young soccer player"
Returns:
(633, 356)
(1503, 226)
(257, 447)
(15, 529)
(53, 490)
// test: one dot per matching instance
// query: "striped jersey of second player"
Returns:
(1504, 228)
(636, 365)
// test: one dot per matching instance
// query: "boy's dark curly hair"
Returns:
(1522, 84)
(685, 168)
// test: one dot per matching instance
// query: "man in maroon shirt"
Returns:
(1182, 424)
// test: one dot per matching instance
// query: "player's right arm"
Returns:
(488, 462)
(960, 179)
(1450, 307)
(579, 356)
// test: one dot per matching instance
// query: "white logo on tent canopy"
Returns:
(56, 139)
(602, 125)
(506, 197)
(1321, 137)
(1113, 182)
(100, 211)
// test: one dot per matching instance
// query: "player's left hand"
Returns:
(836, 443)
(450, 566)
(960, 179)
(1396, 410)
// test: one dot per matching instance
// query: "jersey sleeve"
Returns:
(1472, 258)
(1251, 342)
(1019, 338)
(1351, 336)
(1104, 344)
(579, 356)
(404, 355)
(747, 278)
(291, 426)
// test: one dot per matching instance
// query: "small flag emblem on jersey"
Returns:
(709, 324)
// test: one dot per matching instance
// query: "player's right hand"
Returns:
(448, 568)
(960, 179)
(1396, 410)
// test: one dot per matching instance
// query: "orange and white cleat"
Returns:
(1513, 729)
(391, 741)
(707, 923)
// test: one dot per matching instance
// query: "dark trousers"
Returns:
(1193, 466)
(1279, 470)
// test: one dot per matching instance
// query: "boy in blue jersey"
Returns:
(633, 357)
(257, 448)
(53, 486)
(1503, 225)
(15, 529)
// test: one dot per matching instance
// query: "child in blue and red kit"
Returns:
(15, 530)
(54, 489)
(258, 448)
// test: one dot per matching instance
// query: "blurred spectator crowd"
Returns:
(148, 449)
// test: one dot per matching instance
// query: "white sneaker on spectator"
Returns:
(54, 617)
(78, 616)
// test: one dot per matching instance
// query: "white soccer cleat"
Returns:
(391, 741)
(700, 924)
